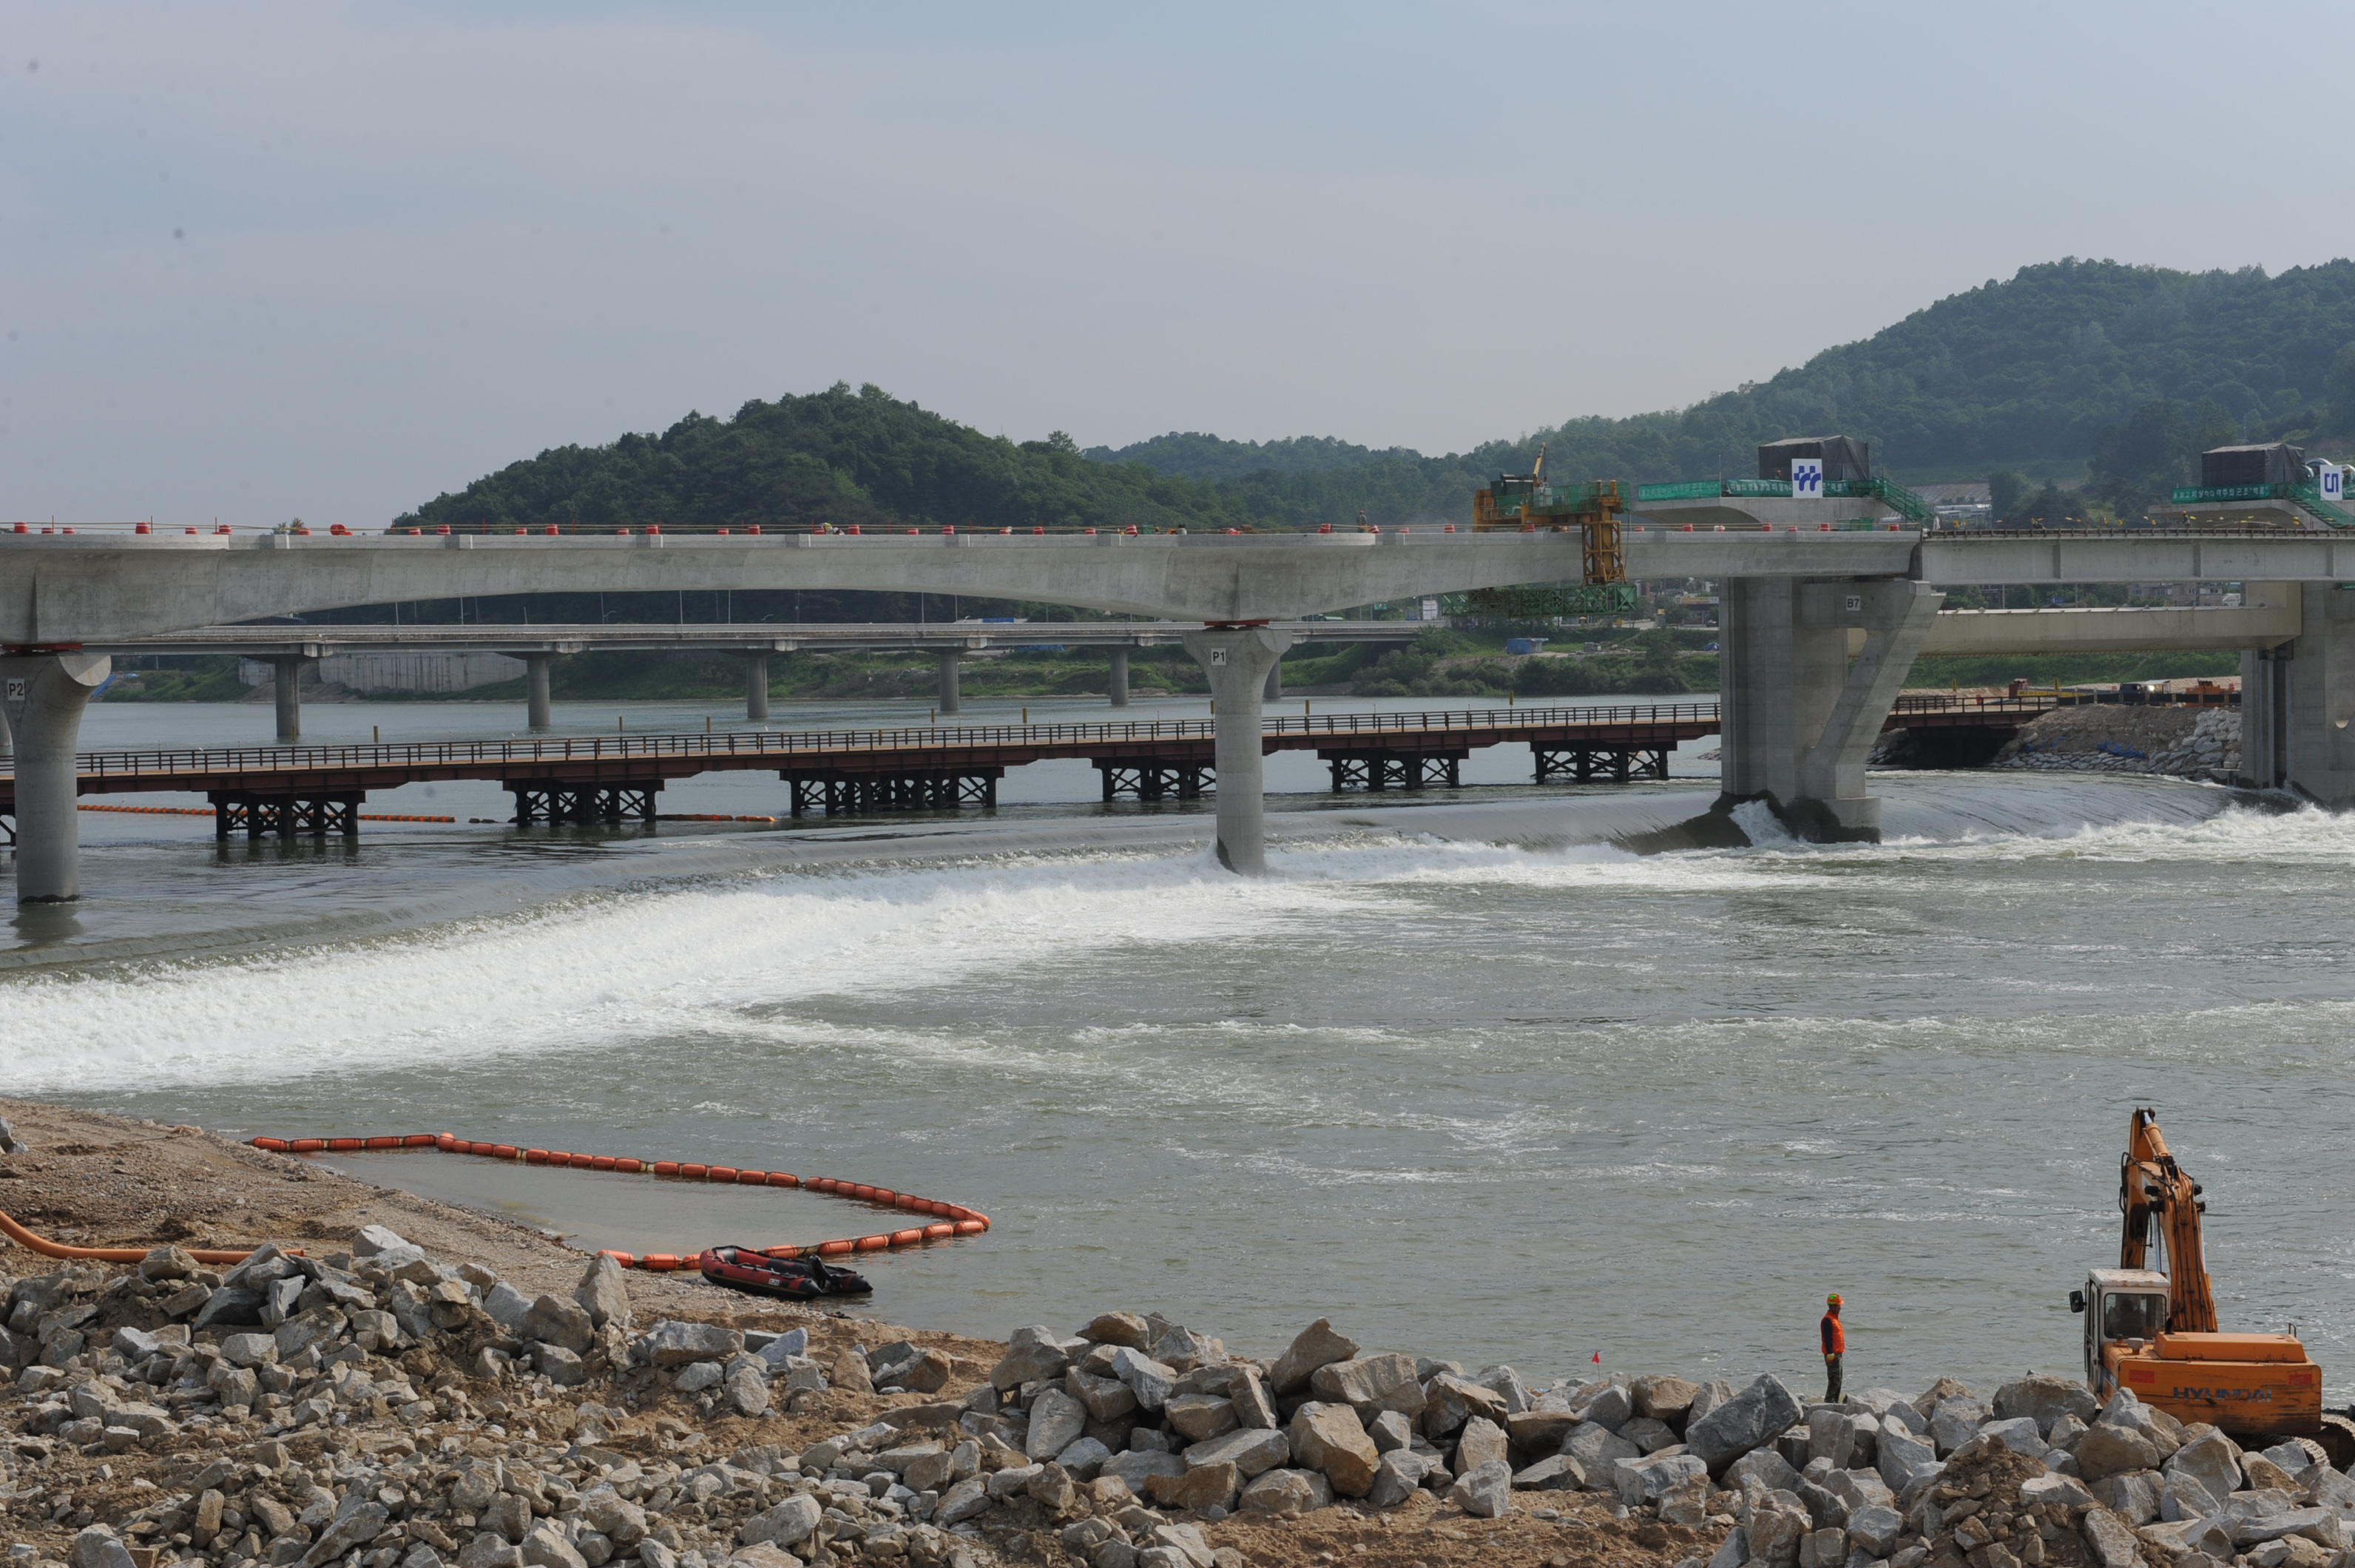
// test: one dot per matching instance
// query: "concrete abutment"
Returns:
(2297, 701)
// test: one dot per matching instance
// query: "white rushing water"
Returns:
(1471, 1101)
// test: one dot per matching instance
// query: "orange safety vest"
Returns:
(1835, 1337)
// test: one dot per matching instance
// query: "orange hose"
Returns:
(49, 1249)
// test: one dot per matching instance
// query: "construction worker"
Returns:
(1835, 1346)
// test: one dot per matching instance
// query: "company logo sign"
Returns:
(1807, 478)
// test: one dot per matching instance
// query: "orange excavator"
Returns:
(2151, 1323)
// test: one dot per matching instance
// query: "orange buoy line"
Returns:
(947, 1221)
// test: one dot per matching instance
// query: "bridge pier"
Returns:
(949, 702)
(1273, 690)
(756, 687)
(44, 695)
(538, 711)
(2297, 701)
(1120, 677)
(287, 687)
(1809, 670)
(1237, 659)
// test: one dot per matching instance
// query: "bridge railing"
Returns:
(788, 745)
(1904, 502)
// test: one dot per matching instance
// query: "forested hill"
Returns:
(2132, 366)
(836, 456)
(2019, 375)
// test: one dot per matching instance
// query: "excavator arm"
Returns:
(2160, 1202)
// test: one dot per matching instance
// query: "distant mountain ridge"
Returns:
(2020, 375)
(2024, 375)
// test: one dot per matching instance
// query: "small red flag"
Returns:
(1598, 1358)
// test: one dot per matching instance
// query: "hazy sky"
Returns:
(260, 260)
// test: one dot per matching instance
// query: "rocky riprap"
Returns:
(2178, 742)
(378, 1409)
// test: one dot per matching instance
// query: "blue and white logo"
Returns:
(1807, 478)
(2334, 481)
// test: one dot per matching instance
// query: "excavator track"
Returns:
(2338, 1440)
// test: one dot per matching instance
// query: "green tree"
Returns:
(2005, 491)
(2338, 390)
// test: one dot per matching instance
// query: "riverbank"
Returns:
(429, 1384)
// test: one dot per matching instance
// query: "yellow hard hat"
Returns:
(1833, 1299)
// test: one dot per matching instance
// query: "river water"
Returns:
(1478, 1102)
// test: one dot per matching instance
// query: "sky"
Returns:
(263, 261)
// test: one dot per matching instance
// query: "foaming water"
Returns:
(1468, 1099)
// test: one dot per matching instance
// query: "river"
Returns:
(1470, 1101)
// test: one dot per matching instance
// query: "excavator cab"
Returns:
(2123, 1307)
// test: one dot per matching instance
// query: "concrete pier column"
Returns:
(7, 736)
(1274, 687)
(44, 695)
(1120, 677)
(1808, 673)
(949, 702)
(2297, 701)
(756, 687)
(1237, 659)
(539, 712)
(288, 686)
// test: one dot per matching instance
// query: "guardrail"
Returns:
(786, 747)
(1904, 502)
(2307, 498)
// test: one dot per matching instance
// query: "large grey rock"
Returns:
(2214, 1460)
(1831, 1435)
(357, 1526)
(789, 1523)
(1875, 1529)
(506, 1306)
(1480, 1441)
(602, 1293)
(2133, 1498)
(2212, 1536)
(1734, 1551)
(2110, 1540)
(1399, 1476)
(1607, 1404)
(11, 1144)
(1906, 1458)
(1707, 1398)
(1776, 1528)
(1287, 1494)
(1056, 1420)
(1663, 1398)
(2183, 1495)
(1561, 1472)
(1855, 1490)
(1764, 1466)
(746, 1392)
(671, 1343)
(1597, 1449)
(371, 1240)
(2042, 1398)
(1316, 1346)
(1329, 1437)
(1955, 1421)
(1451, 1401)
(1392, 1431)
(1199, 1489)
(697, 1376)
(2063, 1492)
(2020, 1434)
(2107, 1450)
(1369, 1384)
(1754, 1416)
(970, 1498)
(1033, 1354)
(1135, 1467)
(1250, 1450)
(1486, 1492)
(1118, 1328)
(2255, 1528)
(97, 1546)
(250, 1350)
(1150, 1380)
(1197, 1417)
(1647, 1481)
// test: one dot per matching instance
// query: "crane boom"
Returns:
(2154, 1193)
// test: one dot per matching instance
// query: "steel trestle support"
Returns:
(538, 801)
(1149, 778)
(945, 789)
(285, 815)
(1584, 764)
(1394, 770)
